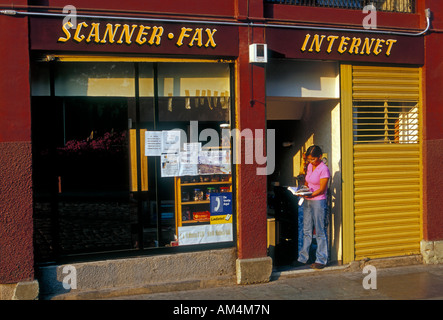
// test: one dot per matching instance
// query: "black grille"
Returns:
(405, 6)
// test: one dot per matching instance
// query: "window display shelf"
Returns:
(190, 184)
(195, 221)
(195, 202)
(185, 209)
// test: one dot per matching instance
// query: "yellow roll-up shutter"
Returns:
(386, 161)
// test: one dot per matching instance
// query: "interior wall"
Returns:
(302, 79)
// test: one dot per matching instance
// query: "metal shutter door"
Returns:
(387, 161)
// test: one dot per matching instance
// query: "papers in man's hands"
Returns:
(303, 191)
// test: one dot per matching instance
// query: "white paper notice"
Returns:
(188, 163)
(170, 141)
(153, 143)
(194, 147)
(209, 233)
(215, 162)
(170, 165)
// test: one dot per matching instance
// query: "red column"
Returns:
(16, 225)
(433, 126)
(251, 187)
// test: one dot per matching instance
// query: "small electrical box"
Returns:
(258, 53)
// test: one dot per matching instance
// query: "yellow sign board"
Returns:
(219, 219)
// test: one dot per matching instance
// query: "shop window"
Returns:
(95, 187)
(193, 92)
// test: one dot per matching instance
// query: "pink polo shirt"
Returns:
(313, 179)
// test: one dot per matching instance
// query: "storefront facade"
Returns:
(366, 107)
(365, 113)
(128, 133)
(144, 119)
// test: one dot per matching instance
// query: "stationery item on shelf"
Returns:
(224, 177)
(205, 178)
(198, 195)
(201, 216)
(185, 196)
(186, 214)
(210, 190)
(185, 179)
(224, 189)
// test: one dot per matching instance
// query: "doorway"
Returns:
(303, 107)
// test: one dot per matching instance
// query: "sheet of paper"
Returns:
(153, 143)
(170, 165)
(214, 162)
(170, 141)
(188, 163)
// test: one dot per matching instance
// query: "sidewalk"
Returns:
(414, 282)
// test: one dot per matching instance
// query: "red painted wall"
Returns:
(340, 17)
(433, 125)
(16, 226)
(183, 8)
(15, 120)
(251, 188)
(251, 114)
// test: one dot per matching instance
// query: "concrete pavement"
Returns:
(412, 282)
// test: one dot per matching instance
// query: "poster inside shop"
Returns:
(186, 160)
(220, 208)
(161, 142)
(189, 159)
(220, 203)
(153, 143)
(214, 162)
(188, 163)
(208, 233)
(170, 164)
(171, 141)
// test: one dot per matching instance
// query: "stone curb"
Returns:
(147, 289)
(355, 266)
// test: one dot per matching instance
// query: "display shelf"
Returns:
(195, 221)
(191, 205)
(191, 184)
(195, 202)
